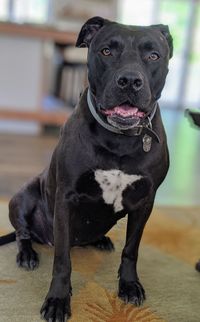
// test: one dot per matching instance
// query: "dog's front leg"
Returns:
(130, 288)
(57, 303)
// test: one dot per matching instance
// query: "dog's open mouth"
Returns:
(124, 116)
(125, 111)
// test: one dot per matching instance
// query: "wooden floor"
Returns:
(22, 157)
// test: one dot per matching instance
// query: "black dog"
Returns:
(111, 158)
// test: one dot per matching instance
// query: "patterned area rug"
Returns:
(169, 249)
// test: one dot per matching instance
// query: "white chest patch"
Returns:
(113, 183)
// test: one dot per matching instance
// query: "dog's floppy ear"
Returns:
(164, 29)
(88, 31)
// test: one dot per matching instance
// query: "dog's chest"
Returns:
(113, 183)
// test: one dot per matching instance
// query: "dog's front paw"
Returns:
(131, 292)
(56, 309)
(28, 259)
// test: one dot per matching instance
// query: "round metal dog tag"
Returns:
(147, 140)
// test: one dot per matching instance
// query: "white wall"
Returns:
(20, 72)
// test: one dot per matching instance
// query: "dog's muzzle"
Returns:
(145, 124)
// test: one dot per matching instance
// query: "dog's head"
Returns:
(127, 67)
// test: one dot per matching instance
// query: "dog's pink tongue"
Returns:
(125, 110)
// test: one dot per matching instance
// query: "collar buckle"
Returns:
(137, 130)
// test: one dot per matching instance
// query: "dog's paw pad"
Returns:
(105, 243)
(55, 309)
(131, 292)
(28, 259)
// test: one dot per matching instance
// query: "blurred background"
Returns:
(42, 75)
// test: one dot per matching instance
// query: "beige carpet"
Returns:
(170, 246)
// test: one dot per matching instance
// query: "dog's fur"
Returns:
(96, 176)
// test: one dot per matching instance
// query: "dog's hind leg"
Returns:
(21, 210)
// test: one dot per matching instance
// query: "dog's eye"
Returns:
(106, 52)
(154, 56)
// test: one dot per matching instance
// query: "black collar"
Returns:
(135, 131)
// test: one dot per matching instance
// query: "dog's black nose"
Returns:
(130, 80)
